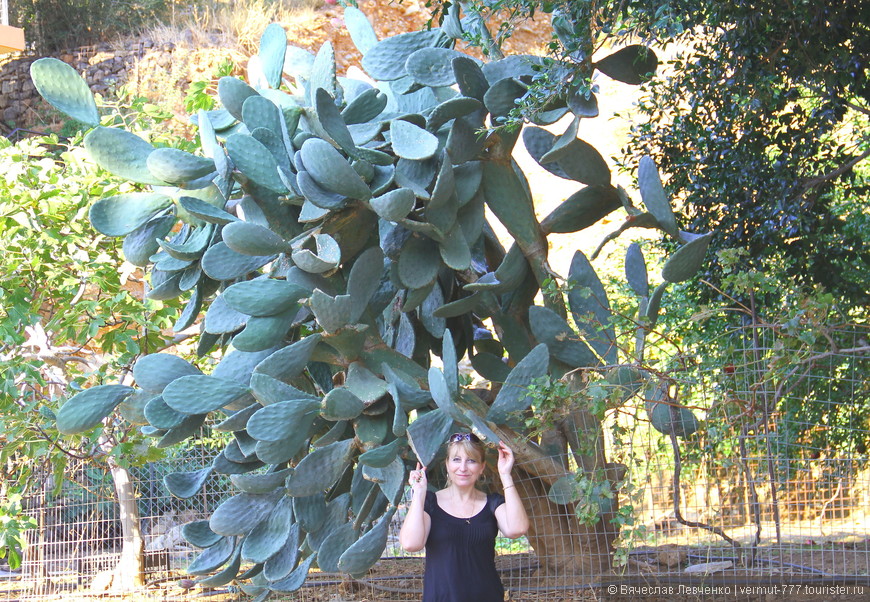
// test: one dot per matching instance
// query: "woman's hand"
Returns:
(417, 480)
(505, 460)
(415, 528)
(512, 519)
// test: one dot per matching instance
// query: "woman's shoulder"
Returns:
(440, 494)
(431, 502)
(494, 500)
(437, 498)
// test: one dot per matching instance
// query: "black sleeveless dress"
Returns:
(460, 555)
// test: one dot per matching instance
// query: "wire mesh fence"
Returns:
(772, 492)
(79, 536)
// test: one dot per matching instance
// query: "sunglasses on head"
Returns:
(457, 437)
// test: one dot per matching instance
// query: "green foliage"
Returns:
(200, 94)
(795, 340)
(63, 308)
(580, 30)
(631, 533)
(52, 25)
(552, 400)
(13, 523)
(334, 235)
(791, 129)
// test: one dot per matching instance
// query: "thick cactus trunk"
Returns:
(568, 550)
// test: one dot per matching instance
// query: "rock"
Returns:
(671, 556)
(640, 566)
(709, 567)
(102, 582)
(10, 114)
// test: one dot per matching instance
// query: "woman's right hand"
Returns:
(415, 527)
(417, 480)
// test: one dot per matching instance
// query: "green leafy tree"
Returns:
(767, 116)
(334, 234)
(65, 318)
(53, 25)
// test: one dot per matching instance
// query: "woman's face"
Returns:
(463, 469)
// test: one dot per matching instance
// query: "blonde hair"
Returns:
(473, 446)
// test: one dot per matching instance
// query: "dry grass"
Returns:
(235, 25)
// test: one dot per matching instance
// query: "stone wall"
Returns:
(161, 72)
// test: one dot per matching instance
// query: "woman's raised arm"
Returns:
(415, 528)
(512, 519)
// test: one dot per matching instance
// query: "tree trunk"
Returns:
(129, 573)
(568, 551)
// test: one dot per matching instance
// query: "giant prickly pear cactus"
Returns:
(329, 239)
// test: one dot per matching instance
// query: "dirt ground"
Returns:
(794, 572)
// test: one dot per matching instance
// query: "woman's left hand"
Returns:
(505, 459)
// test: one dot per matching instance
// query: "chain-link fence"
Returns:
(772, 491)
(79, 538)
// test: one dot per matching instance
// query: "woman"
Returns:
(458, 524)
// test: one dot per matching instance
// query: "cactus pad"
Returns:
(412, 142)
(281, 563)
(513, 396)
(283, 421)
(288, 363)
(631, 65)
(363, 554)
(153, 372)
(239, 514)
(267, 538)
(186, 484)
(653, 195)
(320, 469)
(564, 344)
(263, 296)
(65, 90)
(85, 410)
(199, 534)
(214, 556)
(341, 404)
(687, 260)
(200, 394)
(428, 433)
(635, 270)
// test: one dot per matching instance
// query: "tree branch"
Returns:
(678, 514)
(58, 446)
(818, 180)
(858, 108)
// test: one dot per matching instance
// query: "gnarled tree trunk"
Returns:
(568, 551)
